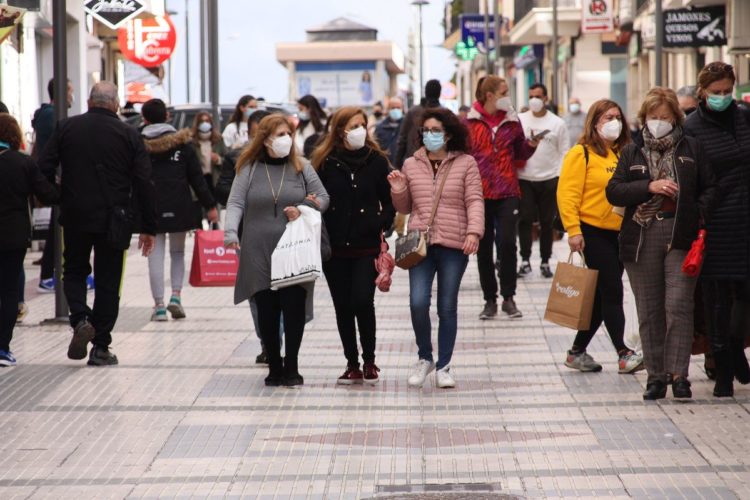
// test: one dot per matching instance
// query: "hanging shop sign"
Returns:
(113, 13)
(598, 16)
(10, 17)
(699, 27)
(148, 42)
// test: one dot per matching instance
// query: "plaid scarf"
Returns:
(659, 154)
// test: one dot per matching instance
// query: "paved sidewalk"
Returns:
(186, 414)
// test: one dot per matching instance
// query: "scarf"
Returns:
(354, 160)
(492, 120)
(659, 154)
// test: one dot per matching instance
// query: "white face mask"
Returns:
(281, 146)
(611, 130)
(659, 128)
(536, 104)
(575, 108)
(504, 103)
(356, 138)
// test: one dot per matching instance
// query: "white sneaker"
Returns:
(444, 378)
(420, 372)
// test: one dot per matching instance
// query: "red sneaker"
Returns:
(352, 375)
(371, 373)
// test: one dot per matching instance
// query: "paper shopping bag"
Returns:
(571, 298)
(213, 265)
(296, 258)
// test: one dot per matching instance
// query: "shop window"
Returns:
(618, 83)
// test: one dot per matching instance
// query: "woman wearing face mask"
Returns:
(593, 227)
(497, 140)
(208, 146)
(312, 121)
(724, 131)
(666, 186)
(454, 234)
(235, 133)
(354, 171)
(271, 182)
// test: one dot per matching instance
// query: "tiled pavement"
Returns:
(186, 414)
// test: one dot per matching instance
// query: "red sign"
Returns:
(148, 42)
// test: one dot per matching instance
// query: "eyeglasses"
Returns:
(431, 130)
(719, 67)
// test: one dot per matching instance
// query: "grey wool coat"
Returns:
(251, 201)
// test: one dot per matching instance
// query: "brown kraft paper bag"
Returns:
(571, 298)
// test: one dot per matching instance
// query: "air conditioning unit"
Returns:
(738, 13)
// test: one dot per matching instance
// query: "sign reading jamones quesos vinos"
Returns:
(699, 27)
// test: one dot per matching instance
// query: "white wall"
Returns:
(590, 73)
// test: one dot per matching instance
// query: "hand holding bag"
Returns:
(571, 298)
(213, 264)
(296, 258)
(411, 248)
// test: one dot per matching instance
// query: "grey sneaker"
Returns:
(524, 270)
(630, 363)
(175, 308)
(509, 308)
(582, 361)
(159, 314)
(101, 356)
(489, 311)
(83, 333)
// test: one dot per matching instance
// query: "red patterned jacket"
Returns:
(496, 151)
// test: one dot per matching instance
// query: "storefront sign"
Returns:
(698, 27)
(148, 42)
(472, 30)
(9, 19)
(597, 17)
(113, 13)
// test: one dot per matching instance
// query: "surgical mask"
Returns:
(575, 108)
(659, 128)
(248, 112)
(356, 138)
(303, 116)
(433, 141)
(396, 114)
(719, 102)
(281, 146)
(504, 103)
(204, 127)
(611, 130)
(536, 104)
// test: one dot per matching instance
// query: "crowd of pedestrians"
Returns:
(476, 182)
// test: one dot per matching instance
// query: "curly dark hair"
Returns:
(10, 131)
(458, 136)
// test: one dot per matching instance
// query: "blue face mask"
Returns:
(396, 114)
(433, 141)
(303, 116)
(719, 102)
(4, 145)
(249, 111)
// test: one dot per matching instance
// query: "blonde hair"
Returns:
(266, 127)
(486, 84)
(658, 96)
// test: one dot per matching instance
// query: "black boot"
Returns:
(655, 389)
(291, 373)
(724, 374)
(739, 361)
(275, 376)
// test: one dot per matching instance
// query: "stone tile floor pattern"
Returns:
(186, 414)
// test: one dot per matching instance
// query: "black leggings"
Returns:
(11, 264)
(271, 304)
(727, 306)
(602, 253)
(352, 285)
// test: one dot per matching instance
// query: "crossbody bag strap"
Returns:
(436, 202)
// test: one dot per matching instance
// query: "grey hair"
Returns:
(688, 91)
(103, 94)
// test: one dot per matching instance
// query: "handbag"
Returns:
(213, 264)
(571, 297)
(411, 248)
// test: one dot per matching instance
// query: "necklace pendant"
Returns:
(275, 209)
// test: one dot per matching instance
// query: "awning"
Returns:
(536, 26)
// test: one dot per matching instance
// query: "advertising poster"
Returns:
(338, 84)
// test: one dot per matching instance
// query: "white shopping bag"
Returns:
(296, 258)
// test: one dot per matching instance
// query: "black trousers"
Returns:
(47, 270)
(108, 268)
(11, 265)
(727, 305)
(272, 304)
(602, 253)
(537, 199)
(500, 226)
(352, 285)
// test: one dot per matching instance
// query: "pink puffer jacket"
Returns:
(461, 208)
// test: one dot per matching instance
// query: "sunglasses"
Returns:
(719, 67)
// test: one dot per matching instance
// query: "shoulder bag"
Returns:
(411, 248)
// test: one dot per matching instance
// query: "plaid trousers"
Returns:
(664, 301)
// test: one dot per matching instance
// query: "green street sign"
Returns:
(467, 50)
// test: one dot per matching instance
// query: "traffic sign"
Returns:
(148, 42)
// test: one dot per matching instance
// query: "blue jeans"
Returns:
(449, 264)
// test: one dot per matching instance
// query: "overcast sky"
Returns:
(249, 30)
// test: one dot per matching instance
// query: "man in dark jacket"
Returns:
(408, 139)
(387, 132)
(104, 164)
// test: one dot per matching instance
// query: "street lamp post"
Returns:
(420, 3)
(555, 60)
(658, 43)
(187, 53)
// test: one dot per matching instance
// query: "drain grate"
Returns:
(457, 491)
